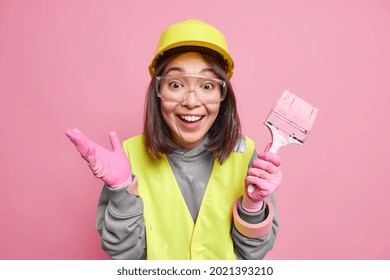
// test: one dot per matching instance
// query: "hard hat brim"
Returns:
(195, 47)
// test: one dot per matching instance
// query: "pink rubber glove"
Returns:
(112, 167)
(265, 176)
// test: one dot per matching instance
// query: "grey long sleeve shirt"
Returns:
(120, 220)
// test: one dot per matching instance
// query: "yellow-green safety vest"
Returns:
(170, 231)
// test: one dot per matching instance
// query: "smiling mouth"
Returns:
(190, 118)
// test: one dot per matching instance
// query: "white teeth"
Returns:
(191, 118)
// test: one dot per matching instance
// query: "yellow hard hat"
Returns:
(193, 33)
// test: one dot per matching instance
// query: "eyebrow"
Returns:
(174, 69)
(205, 70)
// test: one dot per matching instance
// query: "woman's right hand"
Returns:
(113, 167)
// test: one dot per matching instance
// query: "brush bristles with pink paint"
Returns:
(290, 122)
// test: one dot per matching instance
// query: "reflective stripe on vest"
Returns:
(170, 230)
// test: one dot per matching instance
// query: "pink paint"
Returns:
(296, 109)
(290, 121)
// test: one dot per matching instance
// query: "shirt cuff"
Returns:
(125, 200)
(252, 217)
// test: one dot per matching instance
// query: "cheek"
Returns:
(213, 113)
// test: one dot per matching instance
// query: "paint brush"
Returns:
(289, 122)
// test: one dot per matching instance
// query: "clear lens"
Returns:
(208, 90)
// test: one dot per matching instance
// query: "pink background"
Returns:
(84, 64)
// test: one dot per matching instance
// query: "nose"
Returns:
(191, 100)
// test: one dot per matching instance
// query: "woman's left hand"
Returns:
(265, 176)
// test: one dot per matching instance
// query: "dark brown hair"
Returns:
(224, 132)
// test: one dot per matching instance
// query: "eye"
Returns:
(175, 85)
(207, 86)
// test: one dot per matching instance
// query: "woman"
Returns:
(191, 186)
